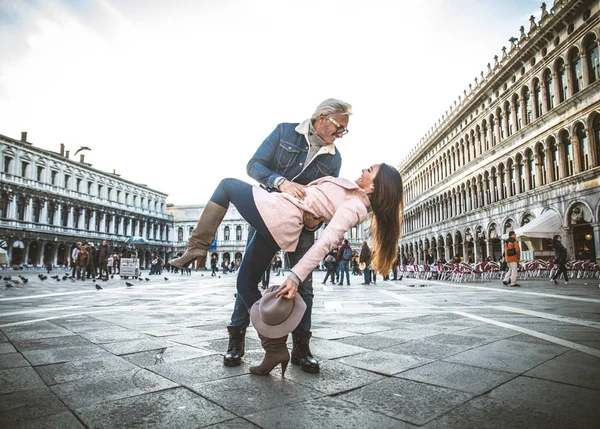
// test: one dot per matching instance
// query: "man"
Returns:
(344, 255)
(74, 254)
(429, 257)
(104, 253)
(512, 255)
(294, 155)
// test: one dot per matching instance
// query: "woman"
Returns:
(560, 259)
(330, 267)
(278, 220)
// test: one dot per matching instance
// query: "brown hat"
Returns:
(275, 317)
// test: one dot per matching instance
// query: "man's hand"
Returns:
(294, 189)
(288, 289)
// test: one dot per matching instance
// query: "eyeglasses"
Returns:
(340, 128)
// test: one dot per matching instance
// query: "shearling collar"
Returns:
(304, 128)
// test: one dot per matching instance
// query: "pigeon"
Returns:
(6, 278)
(65, 278)
(25, 280)
(219, 276)
(98, 287)
(8, 285)
(54, 277)
(80, 149)
(112, 276)
(17, 282)
(94, 280)
(129, 284)
(57, 280)
(141, 279)
(202, 275)
(147, 279)
(166, 278)
(104, 280)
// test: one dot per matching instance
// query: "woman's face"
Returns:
(365, 181)
(559, 238)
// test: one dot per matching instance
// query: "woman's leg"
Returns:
(229, 191)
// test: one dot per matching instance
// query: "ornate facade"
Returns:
(522, 140)
(49, 202)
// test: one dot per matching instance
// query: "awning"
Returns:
(547, 225)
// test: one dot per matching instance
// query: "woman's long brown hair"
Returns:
(387, 203)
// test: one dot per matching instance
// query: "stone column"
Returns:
(490, 132)
(504, 124)
(70, 220)
(40, 261)
(577, 155)
(111, 225)
(524, 117)
(12, 207)
(82, 215)
(497, 126)
(26, 256)
(570, 79)
(513, 112)
(93, 220)
(29, 209)
(585, 68)
(489, 247)
(562, 160)
(58, 215)
(44, 214)
(539, 172)
(592, 144)
(549, 165)
(517, 175)
(596, 228)
(545, 101)
(556, 83)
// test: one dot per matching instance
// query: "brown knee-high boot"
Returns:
(202, 236)
(276, 353)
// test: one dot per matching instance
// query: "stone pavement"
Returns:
(403, 354)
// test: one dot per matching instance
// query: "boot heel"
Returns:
(284, 365)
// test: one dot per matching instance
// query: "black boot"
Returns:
(301, 354)
(235, 349)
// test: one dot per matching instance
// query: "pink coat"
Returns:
(340, 202)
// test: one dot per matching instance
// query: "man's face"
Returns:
(331, 127)
(104, 243)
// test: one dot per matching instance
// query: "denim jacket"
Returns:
(284, 152)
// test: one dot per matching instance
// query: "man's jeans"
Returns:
(344, 268)
(305, 289)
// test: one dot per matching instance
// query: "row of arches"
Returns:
(578, 68)
(570, 151)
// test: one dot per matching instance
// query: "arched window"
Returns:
(576, 70)
(502, 179)
(549, 87)
(36, 210)
(500, 123)
(479, 141)
(585, 147)
(180, 234)
(510, 169)
(238, 233)
(537, 98)
(509, 118)
(4, 200)
(531, 170)
(591, 51)
(527, 104)
(493, 127)
(64, 216)
(563, 85)
(486, 140)
(554, 153)
(522, 177)
(226, 233)
(21, 205)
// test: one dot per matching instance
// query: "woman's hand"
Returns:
(288, 289)
(294, 189)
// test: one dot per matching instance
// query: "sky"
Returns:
(179, 94)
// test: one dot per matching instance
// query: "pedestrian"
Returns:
(48, 266)
(278, 219)
(74, 254)
(292, 156)
(214, 261)
(109, 264)
(512, 254)
(104, 251)
(83, 262)
(344, 255)
(396, 268)
(365, 263)
(330, 267)
(429, 259)
(560, 259)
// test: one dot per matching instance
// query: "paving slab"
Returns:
(237, 423)
(334, 377)
(18, 379)
(249, 394)
(508, 355)
(383, 362)
(37, 330)
(166, 355)
(63, 354)
(6, 348)
(488, 413)
(48, 343)
(89, 391)
(12, 360)
(409, 401)
(551, 397)
(21, 407)
(374, 341)
(426, 349)
(572, 367)
(64, 420)
(456, 376)
(135, 346)
(333, 349)
(177, 407)
(324, 413)
(84, 368)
